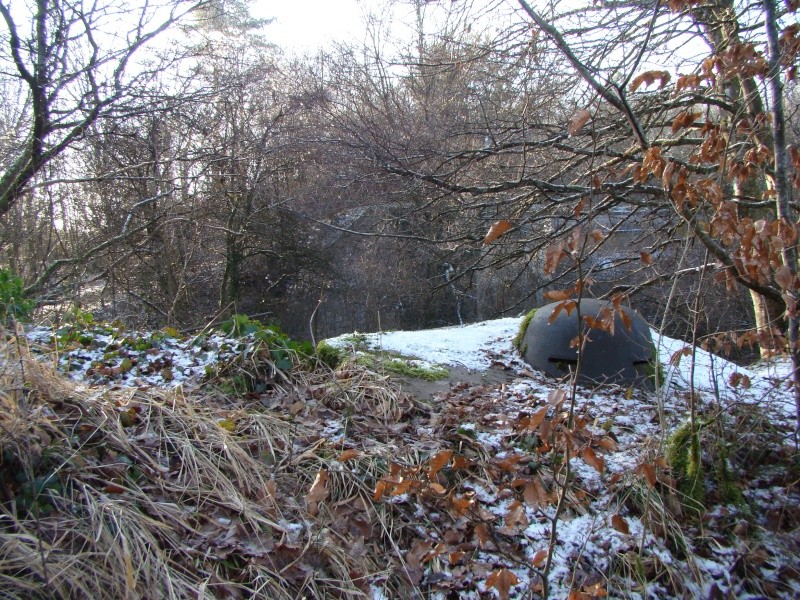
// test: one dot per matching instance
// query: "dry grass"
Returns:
(170, 494)
(323, 485)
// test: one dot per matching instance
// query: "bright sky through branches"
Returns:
(312, 24)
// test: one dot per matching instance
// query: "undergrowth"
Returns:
(334, 484)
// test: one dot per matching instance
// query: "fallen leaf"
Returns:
(515, 515)
(482, 534)
(318, 491)
(437, 461)
(502, 580)
(349, 454)
(607, 443)
(539, 558)
(437, 488)
(619, 523)
(591, 459)
(537, 418)
(648, 472)
(534, 494)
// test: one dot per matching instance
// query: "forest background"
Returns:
(165, 164)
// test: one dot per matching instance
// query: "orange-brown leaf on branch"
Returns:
(567, 305)
(578, 120)
(495, 231)
(650, 77)
(619, 523)
(688, 82)
(502, 580)
(557, 295)
(684, 120)
(553, 256)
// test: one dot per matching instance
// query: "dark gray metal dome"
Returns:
(626, 357)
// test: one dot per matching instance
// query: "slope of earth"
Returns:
(238, 477)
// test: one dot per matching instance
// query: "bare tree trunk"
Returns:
(769, 317)
(783, 196)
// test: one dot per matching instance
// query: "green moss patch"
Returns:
(523, 329)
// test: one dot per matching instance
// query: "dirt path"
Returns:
(494, 376)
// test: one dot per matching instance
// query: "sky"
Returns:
(311, 24)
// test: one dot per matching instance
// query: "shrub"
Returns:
(13, 302)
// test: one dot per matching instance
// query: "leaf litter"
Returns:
(324, 483)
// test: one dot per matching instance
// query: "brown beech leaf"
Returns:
(649, 78)
(647, 258)
(437, 461)
(784, 278)
(607, 443)
(496, 230)
(539, 558)
(515, 515)
(557, 397)
(553, 256)
(537, 418)
(534, 494)
(380, 490)
(348, 455)
(647, 471)
(502, 580)
(460, 462)
(318, 491)
(556, 295)
(619, 523)
(437, 488)
(684, 119)
(591, 459)
(578, 120)
(482, 534)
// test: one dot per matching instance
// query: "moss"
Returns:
(402, 365)
(729, 491)
(519, 339)
(406, 367)
(329, 355)
(684, 456)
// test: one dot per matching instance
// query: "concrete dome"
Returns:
(625, 358)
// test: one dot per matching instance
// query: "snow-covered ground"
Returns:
(640, 423)
(477, 346)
